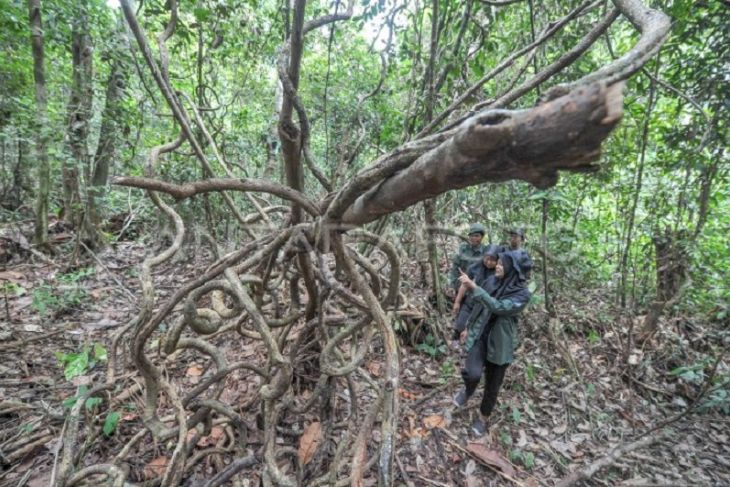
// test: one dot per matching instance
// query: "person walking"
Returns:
(491, 332)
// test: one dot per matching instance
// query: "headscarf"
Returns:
(484, 277)
(513, 285)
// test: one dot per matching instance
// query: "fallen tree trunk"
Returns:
(499, 145)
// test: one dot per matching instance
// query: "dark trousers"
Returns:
(461, 319)
(476, 364)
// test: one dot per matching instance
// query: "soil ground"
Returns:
(553, 417)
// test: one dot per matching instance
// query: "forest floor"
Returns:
(575, 391)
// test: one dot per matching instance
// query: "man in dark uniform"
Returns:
(516, 243)
(468, 254)
(516, 238)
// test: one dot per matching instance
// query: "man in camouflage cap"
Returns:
(516, 238)
(468, 253)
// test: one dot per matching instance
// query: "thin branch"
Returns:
(500, 3)
(564, 61)
(552, 29)
(654, 27)
(328, 19)
(188, 190)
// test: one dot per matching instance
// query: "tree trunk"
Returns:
(429, 206)
(544, 242)
(106, 147)
(44, 170)
(637, 190)
(429, 210)
(79, 108)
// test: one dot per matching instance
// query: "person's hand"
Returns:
(456, 308)
(462, 337)
(464, 279)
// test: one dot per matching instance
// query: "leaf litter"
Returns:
(549, 421)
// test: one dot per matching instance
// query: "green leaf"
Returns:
(100, 352)
(92, 402)
(69, 402)
(516, 416)
(110, 423)
(528, 460)
(76, 364)
(201, 14)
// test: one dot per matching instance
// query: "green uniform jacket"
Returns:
(502, 340)
(466, 256)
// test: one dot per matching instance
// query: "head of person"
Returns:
(516, 238)
(491, 256)
(476, 234)
(513, 266)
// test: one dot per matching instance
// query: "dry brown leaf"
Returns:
(155, 468)
(309, 442)
(216, 433)
(194, 371)
(373, 368)
(491, 458)
(434, 421)
(407, 395)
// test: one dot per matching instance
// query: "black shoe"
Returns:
(460, 399)
(479, 427)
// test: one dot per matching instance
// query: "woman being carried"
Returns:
(491, 331)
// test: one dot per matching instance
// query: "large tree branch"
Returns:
(498, 145)
(188, 190)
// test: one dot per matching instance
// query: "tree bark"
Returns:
(106, 147)
(79, 108)
(544, 242)
(499, 145)
(429, 206)
(44, 170)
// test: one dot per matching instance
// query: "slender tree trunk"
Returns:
(79, 108)
(200, 100)
(544, 241)
(106, 147)
(637, 192)
(429, 206)
(44, 170)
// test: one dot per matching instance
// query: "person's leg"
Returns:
(494, 376)
(474, 367)
(472, 372)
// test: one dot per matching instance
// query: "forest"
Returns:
(233, 238)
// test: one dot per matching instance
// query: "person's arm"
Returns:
(504, 307)
(459, 298)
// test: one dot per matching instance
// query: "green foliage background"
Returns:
(235, 80)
